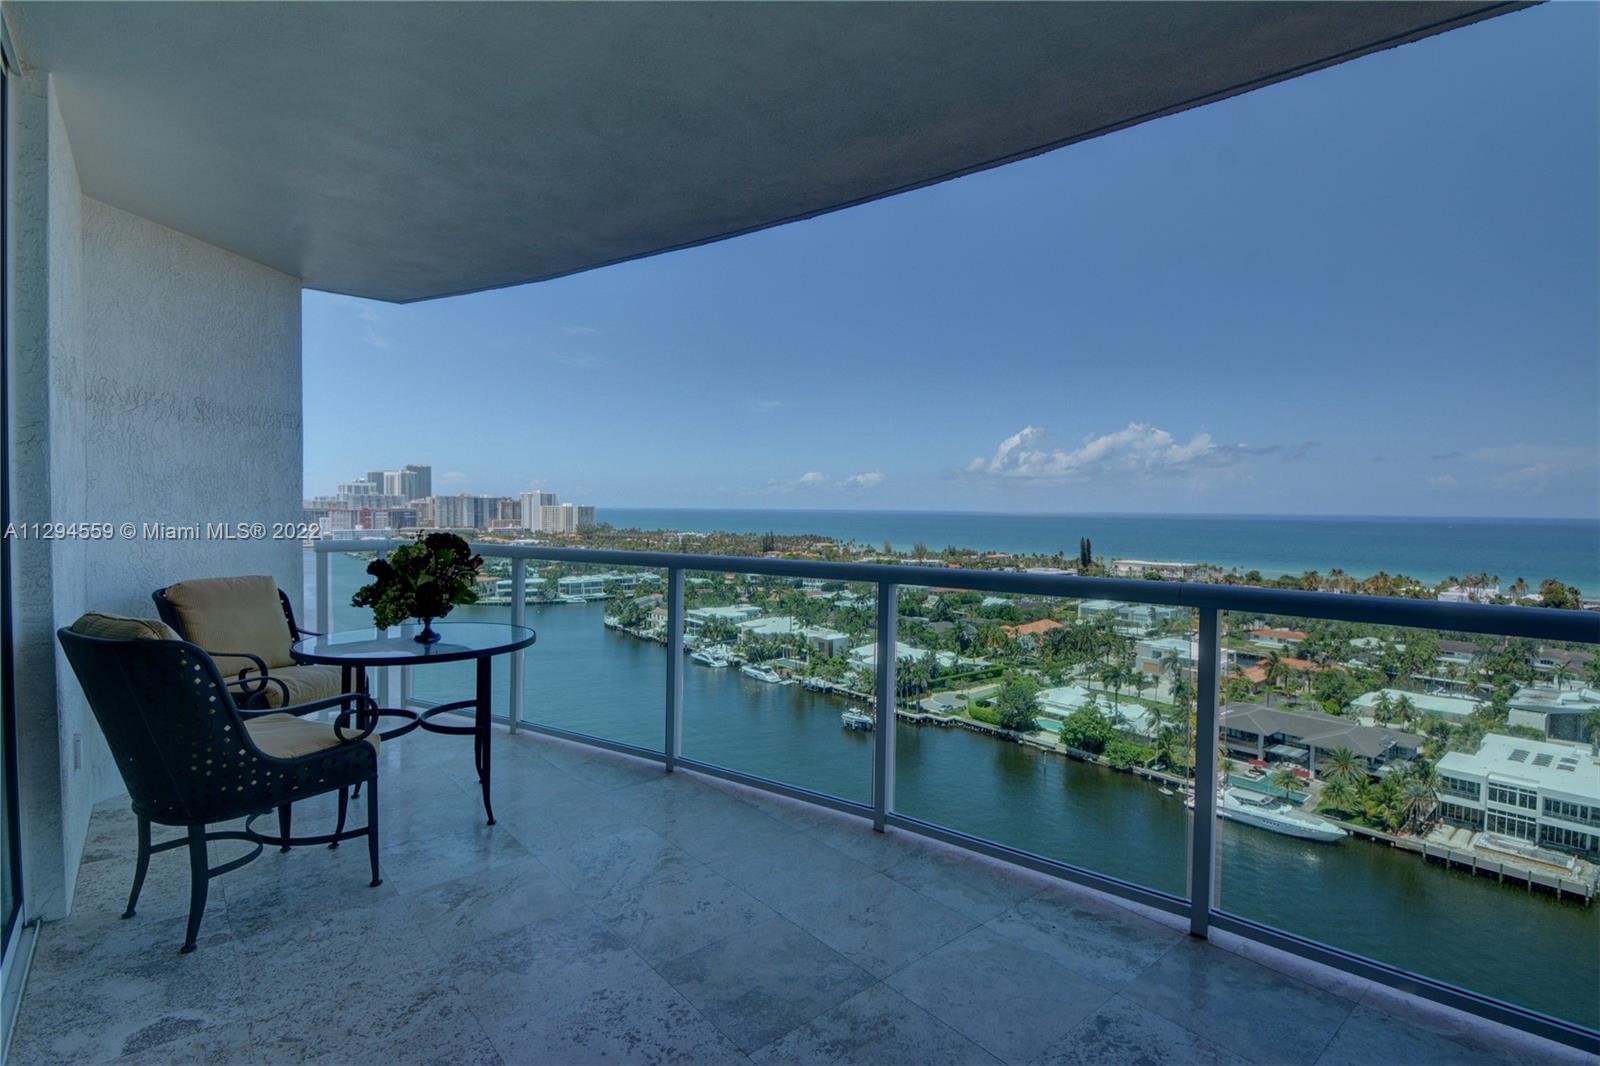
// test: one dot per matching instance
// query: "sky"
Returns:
(1371, 290)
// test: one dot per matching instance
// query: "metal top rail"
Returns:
(1534, 623)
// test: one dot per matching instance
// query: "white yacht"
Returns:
(1271, 813)
(707, 657)
(572, 599)
(757, 672)
(856, 718)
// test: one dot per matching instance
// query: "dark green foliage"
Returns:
(1018, 702)
(421, 580)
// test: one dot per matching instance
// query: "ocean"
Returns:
(1429, 549)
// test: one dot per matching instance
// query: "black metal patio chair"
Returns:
(190, 757)
(247, 625)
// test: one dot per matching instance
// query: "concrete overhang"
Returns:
(403, 151)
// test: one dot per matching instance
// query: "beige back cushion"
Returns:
(116, 627)
(234, 614)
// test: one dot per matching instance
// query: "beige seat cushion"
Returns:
(116, 627)
(286, 737)
(234, 614)
(305, 683)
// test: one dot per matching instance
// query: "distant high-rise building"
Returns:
(416, 481)
(462, 511)
(565, 518)
(532, 506)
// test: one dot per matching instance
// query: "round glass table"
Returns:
(353, 650)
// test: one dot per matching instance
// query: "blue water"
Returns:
(1429, 549)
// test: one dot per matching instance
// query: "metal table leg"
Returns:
(481, 734)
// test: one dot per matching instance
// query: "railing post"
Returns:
(1203, 836)
(519, 616)
(672, 742)
(383, 672)
(883, 726)
(324, 591)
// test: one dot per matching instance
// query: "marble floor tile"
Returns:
(679, 912)
(1369, 1036)
(877, 1025)
(1011, 1000)
(499, 900)
(1246, 1007)
(761, 983)
(614, 862)
(1123, 1034)
(1090, 936)
(977, 887)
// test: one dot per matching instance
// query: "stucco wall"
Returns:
(155, 379)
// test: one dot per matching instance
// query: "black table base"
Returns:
(480, 730)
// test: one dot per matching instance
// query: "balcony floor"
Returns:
(618, 914)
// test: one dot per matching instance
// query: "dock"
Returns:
(1579, 886)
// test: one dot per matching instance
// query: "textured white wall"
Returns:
(155, 378)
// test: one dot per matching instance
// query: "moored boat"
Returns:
(856, 718)
(1272, 814)
(757, 672)
(706, 657)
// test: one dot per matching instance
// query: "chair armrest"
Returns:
(323, 704)
(260, 684)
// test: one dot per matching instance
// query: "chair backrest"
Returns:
(172, 727)
(232, 614)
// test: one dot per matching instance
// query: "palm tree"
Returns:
(1342, 796)
(1404, 709)
(1344, 767)
(1275, 668)
(1418, 799)
(1383, 709)
(1287, 780)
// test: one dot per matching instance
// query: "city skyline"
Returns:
(1268, 306)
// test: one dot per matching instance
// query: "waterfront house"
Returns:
(1556, 660)
(1033, 629)
(696, 617)
(1453, 709)
(1559, 713)
(177, 177)
(1538, 792)
(1304, 738)
(1153, 655)
(1281, 639)
(867, 655)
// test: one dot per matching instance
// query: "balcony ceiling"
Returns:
(407, 151)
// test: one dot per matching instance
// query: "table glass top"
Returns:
(457, 640)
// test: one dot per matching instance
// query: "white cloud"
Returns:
(1535, 467)
(368, 313)
(453, 475)
(1137, 449)
(772, 405)
(1443, 481)
(869, 480)
(812, 477)
(580, 331)
(373, 339)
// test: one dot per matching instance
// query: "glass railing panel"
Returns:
(599, 666)
(1419, 798)
(774, 665)
(1056, 727)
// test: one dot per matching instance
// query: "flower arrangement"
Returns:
(421, 580)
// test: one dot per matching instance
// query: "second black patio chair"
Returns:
(247, 624)
(191, 758)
